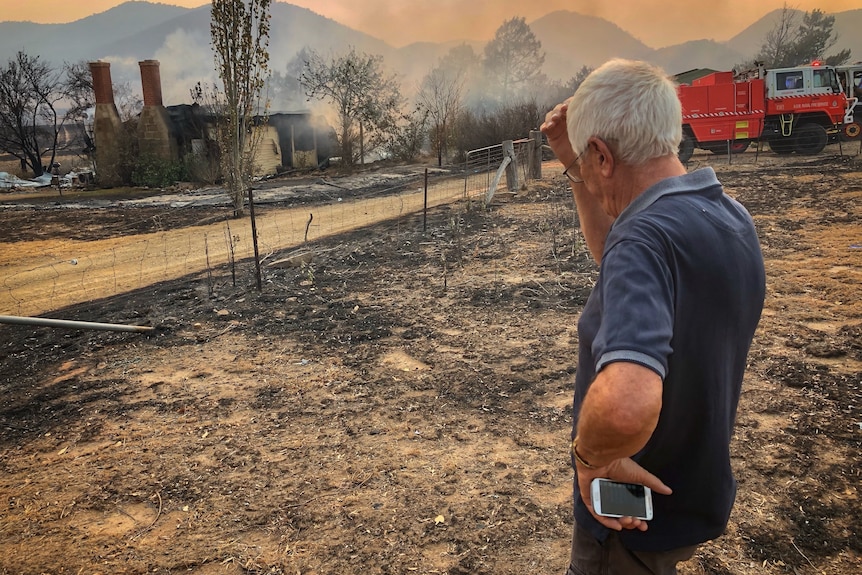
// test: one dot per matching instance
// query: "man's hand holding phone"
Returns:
(615, 499)
(622, 471)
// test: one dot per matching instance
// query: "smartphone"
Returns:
(615, 499)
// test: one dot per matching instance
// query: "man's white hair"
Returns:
(633, 106)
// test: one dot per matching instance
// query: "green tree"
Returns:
(575, 81)
(404, 141)
(791, 43)
(461, 60)
(814, 37)
(513, 59)
(285, 91)
(367, 100)
(31, 93)
(239, 31)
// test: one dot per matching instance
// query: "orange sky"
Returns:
(657, 23)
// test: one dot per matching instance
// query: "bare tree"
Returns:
(31, 92)
(79, 89)
(441, 94)
(367, 100)
(779, 40)
(239, 30)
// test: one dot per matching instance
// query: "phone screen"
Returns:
(624, 499)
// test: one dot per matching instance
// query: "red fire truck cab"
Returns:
(792, 109)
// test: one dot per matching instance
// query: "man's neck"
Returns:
(638, 179)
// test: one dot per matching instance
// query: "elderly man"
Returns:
(664, 336)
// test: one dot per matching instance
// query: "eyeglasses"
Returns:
(573, 179)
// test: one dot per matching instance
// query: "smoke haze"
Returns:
(657, 23)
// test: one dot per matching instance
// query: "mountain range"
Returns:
(179, 39)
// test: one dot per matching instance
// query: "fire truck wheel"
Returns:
(686, 148)
(782, 146)
(852, 130)
(811, 139)
(739, 146)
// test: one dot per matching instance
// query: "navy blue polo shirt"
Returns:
(680, 291)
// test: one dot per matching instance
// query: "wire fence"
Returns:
(481, 165)
(758, 153)
(51, 274)
(46, 275)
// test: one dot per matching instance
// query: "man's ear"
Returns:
(604, 155)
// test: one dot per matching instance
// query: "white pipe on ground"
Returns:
(48, 322)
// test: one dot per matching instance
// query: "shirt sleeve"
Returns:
(637, 302)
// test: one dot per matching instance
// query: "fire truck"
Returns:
(792, 109)
(851, 80)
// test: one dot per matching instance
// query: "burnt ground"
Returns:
(402, 403)
(37, 214)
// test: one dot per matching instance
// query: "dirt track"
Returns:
(402, 404)
(45, 274)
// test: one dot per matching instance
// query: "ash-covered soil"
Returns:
(402, 403)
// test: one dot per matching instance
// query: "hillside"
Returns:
(572, 40)
(847, 26)
(85, 38)
(179, 39)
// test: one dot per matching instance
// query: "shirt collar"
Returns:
(692, 182)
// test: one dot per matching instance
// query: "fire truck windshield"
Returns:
(826, 78)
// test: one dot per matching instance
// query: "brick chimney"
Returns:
(155, 130)
(151, 81)
(102, 86)
(107, 127)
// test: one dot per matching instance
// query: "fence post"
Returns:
(512, 168)
(254, 239)
(536, 156)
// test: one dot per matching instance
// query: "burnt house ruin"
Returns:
(287, 141)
